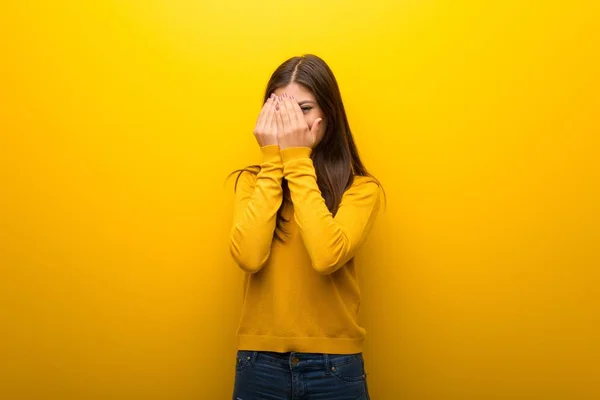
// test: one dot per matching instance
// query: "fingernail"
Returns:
(285, 95)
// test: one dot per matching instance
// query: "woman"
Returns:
(299, 218)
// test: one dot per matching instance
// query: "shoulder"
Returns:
(363, 188)
(245, 178)
(365, 184)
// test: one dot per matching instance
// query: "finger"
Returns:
(262, 112)
(316, 125)
(285, 117)
(290, 111)
(298, 112)
(278, 119)
(262, 119)
(274, 127)
(269, 122)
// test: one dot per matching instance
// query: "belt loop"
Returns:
(254, 355)
(326, 359)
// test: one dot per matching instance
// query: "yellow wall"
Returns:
(119, 121)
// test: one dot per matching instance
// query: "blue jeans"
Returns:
(263, 375)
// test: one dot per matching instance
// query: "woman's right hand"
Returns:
(266, 126)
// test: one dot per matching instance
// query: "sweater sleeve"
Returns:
(257, 200)
(330, 241)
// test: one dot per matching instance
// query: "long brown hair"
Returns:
(335, 158)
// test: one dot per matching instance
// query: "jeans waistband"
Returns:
(304, 360)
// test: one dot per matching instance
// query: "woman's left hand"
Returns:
(292, 129)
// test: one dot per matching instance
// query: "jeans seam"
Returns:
(262, 358)
(347, 360)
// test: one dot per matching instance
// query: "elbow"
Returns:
(326, 258)
(250, 262)
(247, 264)
(249, 267)
(325, 265)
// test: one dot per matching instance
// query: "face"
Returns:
(308, 104)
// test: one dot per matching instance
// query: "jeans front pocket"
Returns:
(243, 359)
(348, 368)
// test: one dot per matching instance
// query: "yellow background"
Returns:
(119, 121)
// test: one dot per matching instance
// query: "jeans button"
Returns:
(295, 361)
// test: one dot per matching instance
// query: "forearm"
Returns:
(330, 241)
(255, 213)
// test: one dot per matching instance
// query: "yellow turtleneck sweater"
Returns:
(300, 295)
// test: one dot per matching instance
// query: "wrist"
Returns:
(270, 151)
(295, 153)
(263, 142)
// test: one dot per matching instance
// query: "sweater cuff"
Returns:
(270, 153)
(295, 153)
